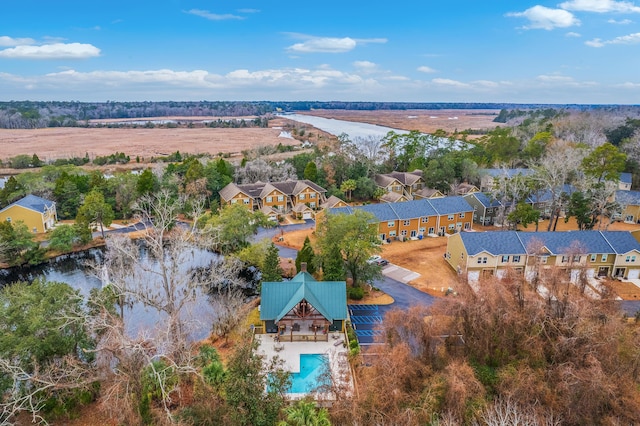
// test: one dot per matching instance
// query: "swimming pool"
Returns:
(312, 367)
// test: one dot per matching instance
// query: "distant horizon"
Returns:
(582, 52)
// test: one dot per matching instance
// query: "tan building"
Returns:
(417, 218)
(629, 202)
(601, 253)
(402, 183)
(280, 196)
(37, 213)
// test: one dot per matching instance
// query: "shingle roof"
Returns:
(495, 243)
(279, 298)
(567, 242)
(412, 209)
(621, 242)
(384, 180)
(392, 197)
(628, 197)
(331, 202)
(449, 205)
(428, 193)
(33, 202)
(484, 199)
(506, 172)
(513, 242)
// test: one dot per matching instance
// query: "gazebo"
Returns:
(303, 309)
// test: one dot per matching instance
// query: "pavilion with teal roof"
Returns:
(303, 308)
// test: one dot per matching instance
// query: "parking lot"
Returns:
(365, 320)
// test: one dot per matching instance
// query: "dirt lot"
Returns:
(427, 121)
(426, 258)
(66, 142)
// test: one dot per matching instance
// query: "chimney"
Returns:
(303, 266)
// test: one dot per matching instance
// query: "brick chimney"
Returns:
(303, 266)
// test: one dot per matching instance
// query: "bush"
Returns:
(355, 293)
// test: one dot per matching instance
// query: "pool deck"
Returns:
(289, 353)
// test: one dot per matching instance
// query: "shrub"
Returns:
(355, 293)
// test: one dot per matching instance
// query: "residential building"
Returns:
(464, 188)
(489, 176)
(427, 193)
(629, 202)
(624, 184)
(485, 209)
(303, 309)
(417, 218)
(601, 253)
(37, 213)
(403, 183)
(280, 196)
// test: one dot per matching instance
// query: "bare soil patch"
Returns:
(67, 142)
(427, 121)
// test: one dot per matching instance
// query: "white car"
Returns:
(374, 259)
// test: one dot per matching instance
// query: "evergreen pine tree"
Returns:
(307, 255)
(272, 270)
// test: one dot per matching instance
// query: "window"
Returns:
(544, 259)
(233, 201)
(461, 215)
(482, 260)
(312, 204)
(451, 226)
(450, 217)
(280, 197)
(312, 195)
(246, 201)
(8, 219)
(461, 255)
(404, 232)
(391, 224)
(269, 199)
(576, 258)
(604, 257)
(425, 219)
(392, 233)
(406, 222)
(467, 225)
(565, 259)
(516, 259)
(630, 259)
(633, 258)
(505, 259)
(301, 196)
(593, 258)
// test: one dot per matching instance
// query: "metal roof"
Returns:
(279, 298)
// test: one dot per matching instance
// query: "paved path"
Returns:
(399, 273)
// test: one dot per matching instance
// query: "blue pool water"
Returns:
(310, 376)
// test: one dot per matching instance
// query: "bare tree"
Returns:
(161, 272)
(260, 170)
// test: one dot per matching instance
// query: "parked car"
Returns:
(382, 262)
(374, 259)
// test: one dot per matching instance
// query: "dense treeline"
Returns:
(37, 114)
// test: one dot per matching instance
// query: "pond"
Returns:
(75, 269)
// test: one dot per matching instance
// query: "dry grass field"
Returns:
(66, 142)
(427, 121)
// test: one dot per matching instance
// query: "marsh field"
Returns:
(66, 142)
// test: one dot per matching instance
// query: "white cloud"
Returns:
(324, 45)
(248, 10)
(600, 6)
(554, 78)
(449, 82)
(426, 69)
(52, 51)
(627, 39)
(10, 41)
(620, 22)
(541, 17)
(365, 66)
(313, 44)
(573, 34)
(213, 16)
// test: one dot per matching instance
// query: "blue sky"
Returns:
(574, 51)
